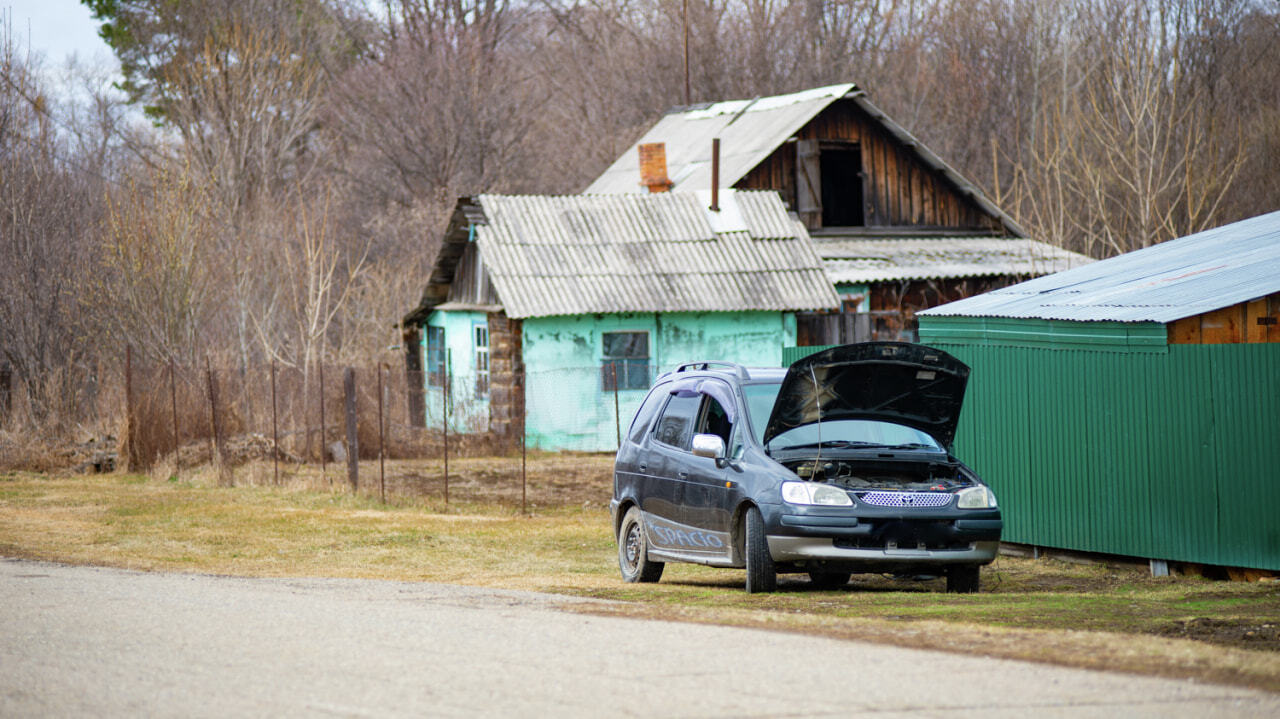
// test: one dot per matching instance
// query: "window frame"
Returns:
(482, 357)
(435, 354)
(635, 369)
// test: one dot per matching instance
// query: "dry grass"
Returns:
(1100, 616)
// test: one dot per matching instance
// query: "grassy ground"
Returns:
(1089, 615)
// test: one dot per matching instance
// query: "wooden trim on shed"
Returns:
(1253, 322)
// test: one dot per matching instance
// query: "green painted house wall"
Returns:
(468, 412)
(1100, 437)
(567, 404)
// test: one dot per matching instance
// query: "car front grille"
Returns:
(906, 499)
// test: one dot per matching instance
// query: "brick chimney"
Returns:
(653, 167)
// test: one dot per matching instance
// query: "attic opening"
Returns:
(829, 183)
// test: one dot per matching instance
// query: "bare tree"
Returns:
(163, 287)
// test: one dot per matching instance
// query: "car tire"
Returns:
(962, 579)
(633, 550)
(762, 576)
(828, 580)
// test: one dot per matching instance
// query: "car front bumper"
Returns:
(866, 538)
(824, 550)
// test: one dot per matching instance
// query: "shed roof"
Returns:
(1181, 278)
(749, 131)
(582, 254)
(861, 260)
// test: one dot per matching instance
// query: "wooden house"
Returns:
(898, 229)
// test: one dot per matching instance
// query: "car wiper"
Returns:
(911, 445)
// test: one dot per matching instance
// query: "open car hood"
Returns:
(910, 384)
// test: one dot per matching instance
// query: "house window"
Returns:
(482, 360)
(435, 356)
(625, 360)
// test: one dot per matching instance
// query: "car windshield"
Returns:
(835, 433)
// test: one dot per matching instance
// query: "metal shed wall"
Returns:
(1120, 449)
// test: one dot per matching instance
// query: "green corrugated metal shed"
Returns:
(1098, 435)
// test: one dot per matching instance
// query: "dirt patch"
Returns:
(1242, 633)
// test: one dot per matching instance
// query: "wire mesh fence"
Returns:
(454, 436)
(378, 429)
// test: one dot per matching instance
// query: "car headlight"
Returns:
(976, 498)
(812, 493)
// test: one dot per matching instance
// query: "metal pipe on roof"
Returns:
(715, 174)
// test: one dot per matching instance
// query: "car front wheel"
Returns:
(761, 574)
(962, 579)
(633, 550)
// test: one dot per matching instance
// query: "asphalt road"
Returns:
(77, 641)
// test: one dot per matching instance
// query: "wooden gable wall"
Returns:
(899, 190)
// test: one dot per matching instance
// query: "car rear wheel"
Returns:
(828, 580)
(633, 550)
(762, 576)
(962, 579)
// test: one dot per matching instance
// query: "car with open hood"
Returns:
(842, 463)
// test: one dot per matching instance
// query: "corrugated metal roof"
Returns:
(861, 260)
(578, 254)
(749, 130)
(1181, 278)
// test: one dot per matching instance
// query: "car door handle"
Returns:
(683, 475)
(644, 467)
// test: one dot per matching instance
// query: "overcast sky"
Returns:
(56, 29)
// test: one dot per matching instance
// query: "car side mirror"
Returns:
(708, 445)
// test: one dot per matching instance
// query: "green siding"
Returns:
(1171, 456)
(566, 403)
(793, 354)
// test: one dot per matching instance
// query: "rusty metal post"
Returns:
(213, 411)
(448, 360)
(684, 19)
(130, 421)
(617, 419)
(173, 405)
(324, 466)
(275, 427)
(353, 442)
(715, 174)
(524, 441)
(382, 474)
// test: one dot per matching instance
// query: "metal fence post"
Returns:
(524, 415)
(382, 474)
(173, 404)
(324, 449)
(353, 443)
(448, 360)
(617, 418)
(275, 427)
(130, 420)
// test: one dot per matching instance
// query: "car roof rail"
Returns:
(738, 369)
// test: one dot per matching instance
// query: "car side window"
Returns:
(675, 424)
(715, 420)
(643, 415)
